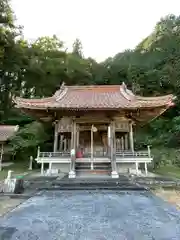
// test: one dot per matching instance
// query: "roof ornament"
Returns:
(124, 85)
(61, 92)
(62, 86)
(126, 92)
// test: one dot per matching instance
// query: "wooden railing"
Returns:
(124, 154)
(54, 155)
(99, 154)
(95, 154)
(128, 154)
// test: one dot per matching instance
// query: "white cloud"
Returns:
(105, 27)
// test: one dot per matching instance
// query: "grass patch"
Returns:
(169, 170)
(17, 168)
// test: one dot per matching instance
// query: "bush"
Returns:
(165, 156)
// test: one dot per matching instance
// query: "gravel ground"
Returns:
(95, 215)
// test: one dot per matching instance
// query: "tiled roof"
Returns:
(94, 97)
(7, 131)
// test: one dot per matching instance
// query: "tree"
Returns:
(9, 50)
(77, 48)
(28, 138)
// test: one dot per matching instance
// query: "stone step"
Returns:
(91, 182)
(96, 182)
(97, 187)
(94, 168)
(95, 172)
(98, 166)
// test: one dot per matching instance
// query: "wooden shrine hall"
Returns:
(94, 128)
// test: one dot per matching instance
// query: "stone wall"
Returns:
(124, 167)
(62, 167)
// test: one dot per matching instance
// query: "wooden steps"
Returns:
(95, 169)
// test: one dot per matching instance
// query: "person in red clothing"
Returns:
(79, 153)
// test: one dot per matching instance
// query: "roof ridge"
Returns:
(126, 93)
(90, 86)
(59, 94)
(138, 97)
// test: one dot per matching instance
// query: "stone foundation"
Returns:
(125, 167)
(62, 167)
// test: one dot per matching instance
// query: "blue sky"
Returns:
(105, 27)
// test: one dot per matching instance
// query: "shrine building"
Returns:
(94, 128)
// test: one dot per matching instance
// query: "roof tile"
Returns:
(94, 97)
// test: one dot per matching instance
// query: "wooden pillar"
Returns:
(108, 140)
(122, 143)
(42, 168)
(119, 144)
(72, 173)
(65, 144)
(131, 140)
(61, 143)
(137, 167)
(1, 156)
(114, 173)
(71, 144)
(111, 144)
(126, 142)
(145, 167)
(149, 151)
(30, 163)
(92, 145)
(109, 135)
(50, 167)
(77, 141)
(38, 151)
(55, 137)
(114, 140)
(74, 136)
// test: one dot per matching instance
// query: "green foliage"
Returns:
(28, 138)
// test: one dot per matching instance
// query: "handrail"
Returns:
(123, 154)
(132, 154)
(53, 154)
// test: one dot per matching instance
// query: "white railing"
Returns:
(54, 155)
(132, 154)
(118, 154)
(67, 155)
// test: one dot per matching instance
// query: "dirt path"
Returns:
(171, 196)
(7, 204)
